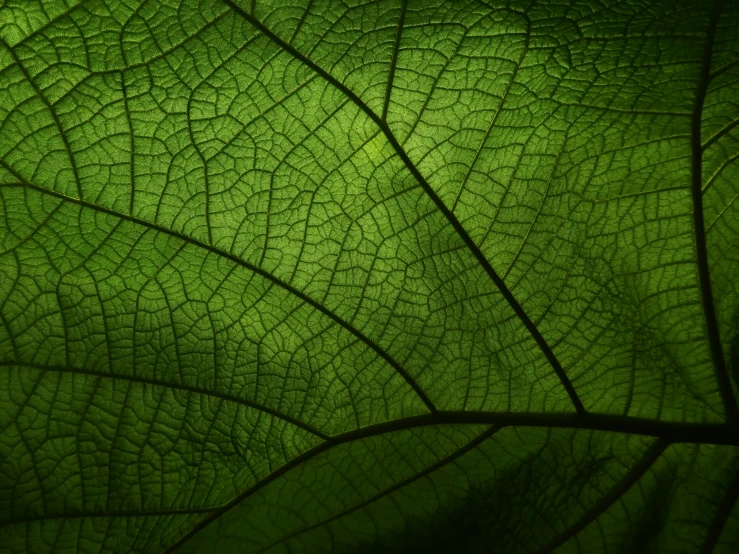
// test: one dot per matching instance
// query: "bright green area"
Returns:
(229, 232)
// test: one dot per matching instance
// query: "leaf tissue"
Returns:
(391, 276)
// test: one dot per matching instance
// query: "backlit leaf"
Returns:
(307, 276)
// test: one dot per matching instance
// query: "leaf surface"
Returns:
(389, 276)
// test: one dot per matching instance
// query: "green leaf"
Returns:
(309, 276)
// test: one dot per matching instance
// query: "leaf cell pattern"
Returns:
(369, 276)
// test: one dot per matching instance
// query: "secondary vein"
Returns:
(237, 260)
(701, 248)
(448, 214)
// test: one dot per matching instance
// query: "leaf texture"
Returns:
(369, 276)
